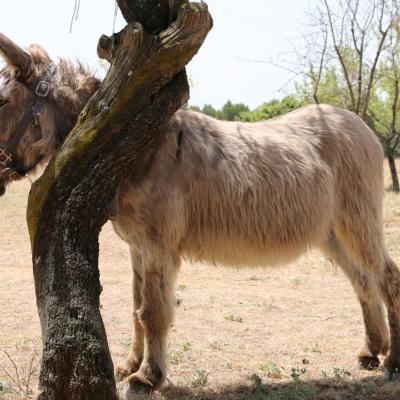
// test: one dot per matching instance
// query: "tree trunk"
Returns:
(393, 172)
(114, 138)
(153, 19)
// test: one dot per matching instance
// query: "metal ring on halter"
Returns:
(42, 89)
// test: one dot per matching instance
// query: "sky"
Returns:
(244, 30)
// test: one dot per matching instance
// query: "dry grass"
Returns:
(285, 334)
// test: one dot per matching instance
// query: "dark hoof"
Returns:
(392, 366)
(369, 362)
(134, 388)
(137, 384)
(139, 380)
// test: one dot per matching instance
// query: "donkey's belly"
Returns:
(249, 237)
(241, 253)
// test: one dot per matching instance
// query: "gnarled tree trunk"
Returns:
(115, 137)
(393, 171)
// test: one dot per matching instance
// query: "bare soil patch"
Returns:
(284, 333)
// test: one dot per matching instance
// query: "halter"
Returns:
(41, 91)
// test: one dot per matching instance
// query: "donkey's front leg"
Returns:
(135, 357)
(155, 316)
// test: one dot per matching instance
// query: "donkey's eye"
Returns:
(3, 102)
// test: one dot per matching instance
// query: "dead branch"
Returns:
(337, 48)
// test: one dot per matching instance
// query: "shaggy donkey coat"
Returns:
(241, 194)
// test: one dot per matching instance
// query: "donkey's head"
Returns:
(39, 104)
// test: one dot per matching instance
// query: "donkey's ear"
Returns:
(15, 56)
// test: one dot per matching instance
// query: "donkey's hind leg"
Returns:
(135, 357)
(390, 288)
(367, 289)
(378, 264)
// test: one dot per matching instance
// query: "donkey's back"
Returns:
(254, 193)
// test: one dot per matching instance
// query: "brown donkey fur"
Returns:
(235, 194)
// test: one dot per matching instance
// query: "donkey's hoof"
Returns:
(369, 362)
(392, 365)
(123, 370)
(134, 389)
(137, 384)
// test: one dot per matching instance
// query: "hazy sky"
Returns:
(243, 29)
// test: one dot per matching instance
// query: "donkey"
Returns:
(239, 194)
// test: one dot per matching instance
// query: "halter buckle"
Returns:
(42, 89)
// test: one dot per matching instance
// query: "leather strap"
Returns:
(22, 127)
(8, 169)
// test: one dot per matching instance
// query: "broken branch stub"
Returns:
(113, 140)
(154, 20)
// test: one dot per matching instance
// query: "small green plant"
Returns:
(126, 341)
(175, 357)
(23, 344)
(316, 348)
(299, 281)
(4, 388)
(187, 346)
(182, 286)
(297, 373)
(293, 391)
(340, 373)
(272, 370)
(200, 378)
(216, 344)
(267, 306)
(234, 318)
(253, 278)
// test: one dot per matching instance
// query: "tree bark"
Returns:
(153, 19)
(393, 172)
(113, 140)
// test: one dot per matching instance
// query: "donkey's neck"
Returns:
(73, 86)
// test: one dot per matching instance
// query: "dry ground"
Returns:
(288, 333)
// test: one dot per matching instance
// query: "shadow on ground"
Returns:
(329, 389)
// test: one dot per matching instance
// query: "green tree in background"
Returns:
(350, 60)
(208, 109)
(229, 111)
(353, 63)
(384, 109)
(241, 112)
(272, 109)
(331, 89)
